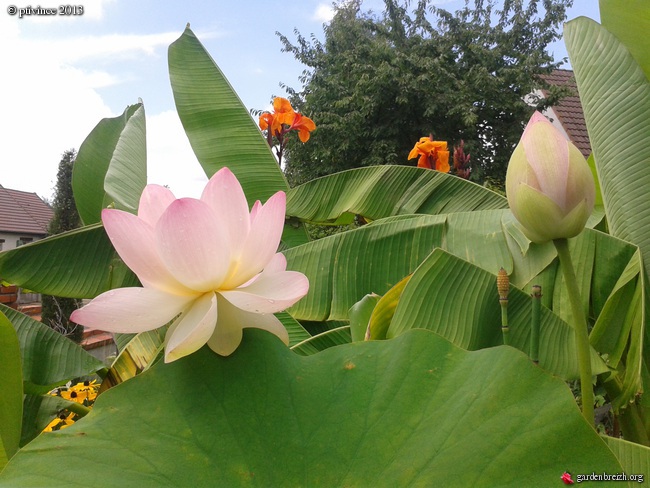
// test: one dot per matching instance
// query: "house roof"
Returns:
(569, 110)
(23, 213)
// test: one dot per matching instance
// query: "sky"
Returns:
(63, 73)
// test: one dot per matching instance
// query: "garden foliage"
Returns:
(435, 399)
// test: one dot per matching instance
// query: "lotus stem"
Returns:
(580, 328)
(503, 286)
(534, 331)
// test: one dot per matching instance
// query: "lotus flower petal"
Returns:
(153, 202)
(232, 320)
(130, 310)
(132, 238)
(193, 329)
(541, 214)
(268, 322)
(262, 241)
(225, 196)
(278, 263)
(256, 208)
(270, 293)
(228, 332)
(547, 153)
(194, 244)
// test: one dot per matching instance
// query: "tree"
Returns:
(375, 85)
(56, 310)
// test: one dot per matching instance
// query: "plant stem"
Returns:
(580, 328)
(504, 322)
(503, 287)
(79, 409)
(534, 330)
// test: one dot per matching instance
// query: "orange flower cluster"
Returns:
(284, 119)
(433, 154)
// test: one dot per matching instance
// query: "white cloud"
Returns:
(117, 46)
(48, 106)
(95, 10)
(170, 159)
(70, 50)
(49, 102)
(324, 12)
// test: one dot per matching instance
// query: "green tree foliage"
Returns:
(57, 310)
(376, 84)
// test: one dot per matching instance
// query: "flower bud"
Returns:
(549, 185)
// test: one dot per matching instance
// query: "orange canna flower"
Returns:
(283, 120)
(433, 154)
(283, 113)
(266, 120)
(304, 125)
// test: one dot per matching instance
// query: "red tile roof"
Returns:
(23, 213)
(569, 110)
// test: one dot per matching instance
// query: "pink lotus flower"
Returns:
(208, 265)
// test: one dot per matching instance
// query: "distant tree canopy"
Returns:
(57, 310)
(375, 85)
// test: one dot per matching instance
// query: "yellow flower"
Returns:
(433, 154)
(74, 395)
(87, 389)
(60, 422)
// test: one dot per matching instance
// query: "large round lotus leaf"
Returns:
(412, 411)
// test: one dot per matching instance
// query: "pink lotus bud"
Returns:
(549, 184)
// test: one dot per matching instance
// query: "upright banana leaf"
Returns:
(629, 21)
(218, 126)
(615, 96)
(220, 129)
(339, 275)
(111, 167)
(386, 413)
(360, 314)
